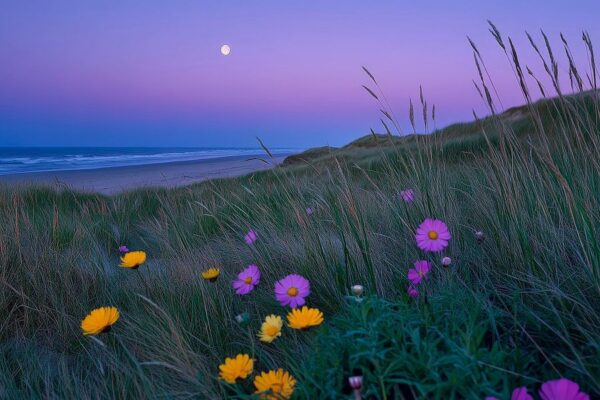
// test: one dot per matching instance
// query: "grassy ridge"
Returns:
(516, 309)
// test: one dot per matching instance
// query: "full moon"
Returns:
(225, 49)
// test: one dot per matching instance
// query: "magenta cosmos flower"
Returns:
(247, 280)
(412, 291)
(292, 290)
(408, 195)
(250, 237)
(420, 271)
(432, 235)
(562, 389)
(517, 394)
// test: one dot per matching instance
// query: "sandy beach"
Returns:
(117, 179)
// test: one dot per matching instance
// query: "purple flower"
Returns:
(408, 195)
(123, 249)
(292, 290)
(517, 394)
(562, 389)
(432, 235)
(247, 280)
(420, 271)
(412, 291)
(250, 237)
(520, 393)
(309, 211)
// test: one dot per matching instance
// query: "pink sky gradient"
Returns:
(119, 72)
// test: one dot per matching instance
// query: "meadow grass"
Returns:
(520, 307)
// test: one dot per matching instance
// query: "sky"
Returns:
(150, 73)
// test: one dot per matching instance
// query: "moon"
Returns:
(225, 49)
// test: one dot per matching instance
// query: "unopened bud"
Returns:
(355, 382)
(243, 319)
(446, 261)
(479, 236)
(357, 290)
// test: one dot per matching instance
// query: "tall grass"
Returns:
(518, 308)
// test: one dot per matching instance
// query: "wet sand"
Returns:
(117, 179)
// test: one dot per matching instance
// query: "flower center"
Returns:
(271, 330)
(292, 292)
(276, 387)
(248, 280)
(432, 235)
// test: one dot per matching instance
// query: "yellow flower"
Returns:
(304, 318)
(133, 259)
(270, 329)
(236, 368)
(211, 274)
(275, 385)
(99, 320)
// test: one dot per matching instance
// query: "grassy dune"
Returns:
(516, 309)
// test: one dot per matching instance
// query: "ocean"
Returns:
(15, 160)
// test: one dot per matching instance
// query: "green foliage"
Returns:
(404, 351)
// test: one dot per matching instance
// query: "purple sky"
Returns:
(149, 73)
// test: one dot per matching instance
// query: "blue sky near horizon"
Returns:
(149, 73)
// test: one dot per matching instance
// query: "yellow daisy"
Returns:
(133, 259)
(99, 320)
(275, 385)
(211, 274)
(270, 329)
(236, 368)
(304, 318)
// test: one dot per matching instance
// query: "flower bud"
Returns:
(243, 319)
(355, 382)
(446, 261)
(479, 236)
(357, 290)
(412, 292)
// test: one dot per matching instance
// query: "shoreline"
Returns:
(113, 180)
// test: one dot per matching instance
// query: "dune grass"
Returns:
(518, 308)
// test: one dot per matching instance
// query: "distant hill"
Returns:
(464, 135)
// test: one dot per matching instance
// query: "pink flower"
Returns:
(420, 271)
(408, 195)
(432, 235)
(517, 394)
(247, 280)
(292, 290)
(250, 237)
(412, 291)
(355, 382)
(520, 393)
(562, 389)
